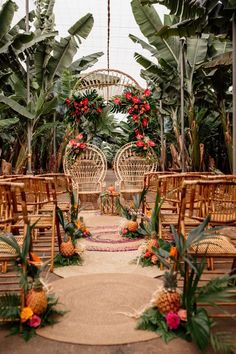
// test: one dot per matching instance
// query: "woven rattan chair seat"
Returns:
(215, 246)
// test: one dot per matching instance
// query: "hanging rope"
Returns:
(108, 33)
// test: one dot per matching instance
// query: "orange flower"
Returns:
(26, 314)
(35, 260)
(173, 251)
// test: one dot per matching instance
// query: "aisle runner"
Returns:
(108, 239)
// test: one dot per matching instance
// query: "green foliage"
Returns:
(222, 342)
(10, 306)
(61, 261)
(199, 327)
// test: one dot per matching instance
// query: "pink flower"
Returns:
(124, 231)
(35, 321)
(99, 109)
(135, 99)
(151, 143)
(128, 95)
(145, 122)
(147, 92)
(72, 142)
(79, 136)
(116, 100)
(139, 143)
(147, 107)
(182, 313)
(172, 320)
(139, 136)
(82, 145)
(135, 117)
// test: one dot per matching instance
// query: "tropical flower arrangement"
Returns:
(140, 108)
(35, 307)
(76, 146)
(83, 109)
(131, 228)
(149, 249)
(174, 313)
(70, 249)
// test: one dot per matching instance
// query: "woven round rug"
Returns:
(97, 304)
(108, 239)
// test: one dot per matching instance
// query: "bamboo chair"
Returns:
(12, 210)
(214, 198)
(63, 185)
(169, 189)
(130, 168)
(41, 192)
(87, 173)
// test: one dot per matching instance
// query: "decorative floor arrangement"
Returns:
(108, 239)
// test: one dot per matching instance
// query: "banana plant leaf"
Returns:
(16, 107)
(6, 17)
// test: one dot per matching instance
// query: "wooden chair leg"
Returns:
(4, 266)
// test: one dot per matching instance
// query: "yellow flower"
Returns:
(173, 251)
(78, 224)
(149, 213)
(26, 314)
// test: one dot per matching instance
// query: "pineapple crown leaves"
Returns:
(123, 210)
(170, 280)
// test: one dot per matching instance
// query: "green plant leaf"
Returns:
(200, 329)
(11, 241)
(6, 16)
(16, 107)
(82, 27)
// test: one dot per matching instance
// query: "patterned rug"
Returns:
(108, 239)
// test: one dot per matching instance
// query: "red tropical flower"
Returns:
(67, 101)
(147, 92)
(147, 107)
(147, 254)
(135, 117)
(140, 143)
(151, 143)
(117, 100)
(99, 109)
(72, 142)
(145, 122)
(128, 95)
(82, 145)
(85, 101)
(135, 99)
(130, 110)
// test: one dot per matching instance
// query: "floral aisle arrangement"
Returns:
(150, 248)
(131, 227)
(35, 307)
(141, 110)
(174, 313)
(70, 249)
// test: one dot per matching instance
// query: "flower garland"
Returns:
(140, 107)
(76, 146)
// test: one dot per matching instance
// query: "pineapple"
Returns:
(169, 299)
(36, 298)
(132, 224)
(67, 248)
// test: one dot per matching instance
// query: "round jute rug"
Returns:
(108, 239)
(96, 305)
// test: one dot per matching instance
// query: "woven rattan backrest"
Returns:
(87, 169)
(130, 167)
(202, 198)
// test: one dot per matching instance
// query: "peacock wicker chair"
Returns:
(130, 167)
(87, 172)
(107, 82)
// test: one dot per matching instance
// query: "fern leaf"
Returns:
(9, 306)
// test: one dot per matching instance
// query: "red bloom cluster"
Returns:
(139, 108)
(77, 145)
(81, 106)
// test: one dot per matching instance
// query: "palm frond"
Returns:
(9, 306)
